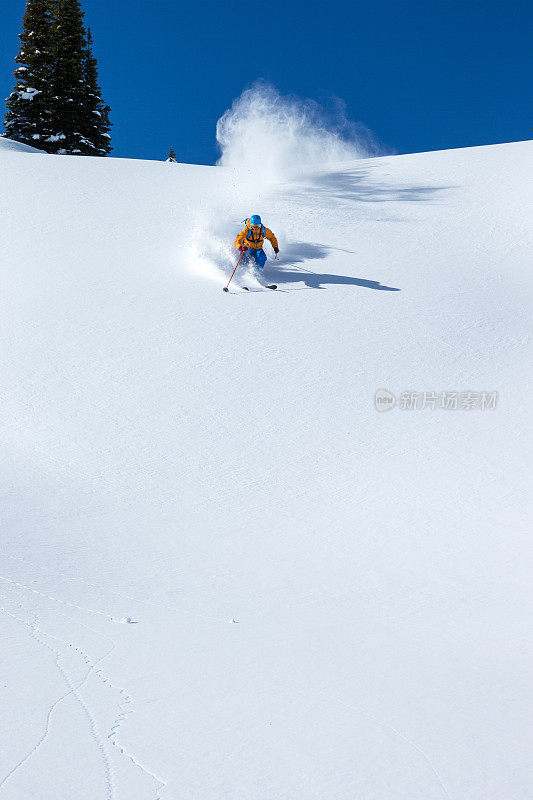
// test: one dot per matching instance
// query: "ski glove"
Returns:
(243, 249)
(276, 250)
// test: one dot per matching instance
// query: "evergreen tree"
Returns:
(97, 125)
(29, 106)
(172, 157)
(56, 103)
(68, 80)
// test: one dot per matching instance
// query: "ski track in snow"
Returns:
(57, 600)
(107, 590)
(74, 690)
(128, 699)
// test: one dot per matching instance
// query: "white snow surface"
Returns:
(9, 144)
(322, 601)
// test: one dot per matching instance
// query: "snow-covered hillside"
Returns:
(18, 147)
(223, 572)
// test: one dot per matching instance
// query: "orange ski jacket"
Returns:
(254, 239)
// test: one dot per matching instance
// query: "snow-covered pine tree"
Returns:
(97, 125)
(68, 117)
(29, 106)
(56, 104)
(172, 157)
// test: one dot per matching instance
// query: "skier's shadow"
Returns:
(299, 252)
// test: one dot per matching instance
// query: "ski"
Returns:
(270, 286)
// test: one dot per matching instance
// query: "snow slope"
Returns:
(223, 573)
(9, 144)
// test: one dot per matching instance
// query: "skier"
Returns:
(250, 242)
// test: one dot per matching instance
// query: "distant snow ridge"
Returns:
(277, 137)
(9, 144)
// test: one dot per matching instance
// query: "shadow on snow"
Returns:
(356, 185)
(359, 185)
(299, 252)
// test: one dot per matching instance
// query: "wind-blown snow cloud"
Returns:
(279, 137)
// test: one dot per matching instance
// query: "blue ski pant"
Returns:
(257, 257)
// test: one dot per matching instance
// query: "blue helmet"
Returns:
(255, 219)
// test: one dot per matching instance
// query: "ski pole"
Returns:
(225, 289)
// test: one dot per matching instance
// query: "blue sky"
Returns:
(421, 75)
